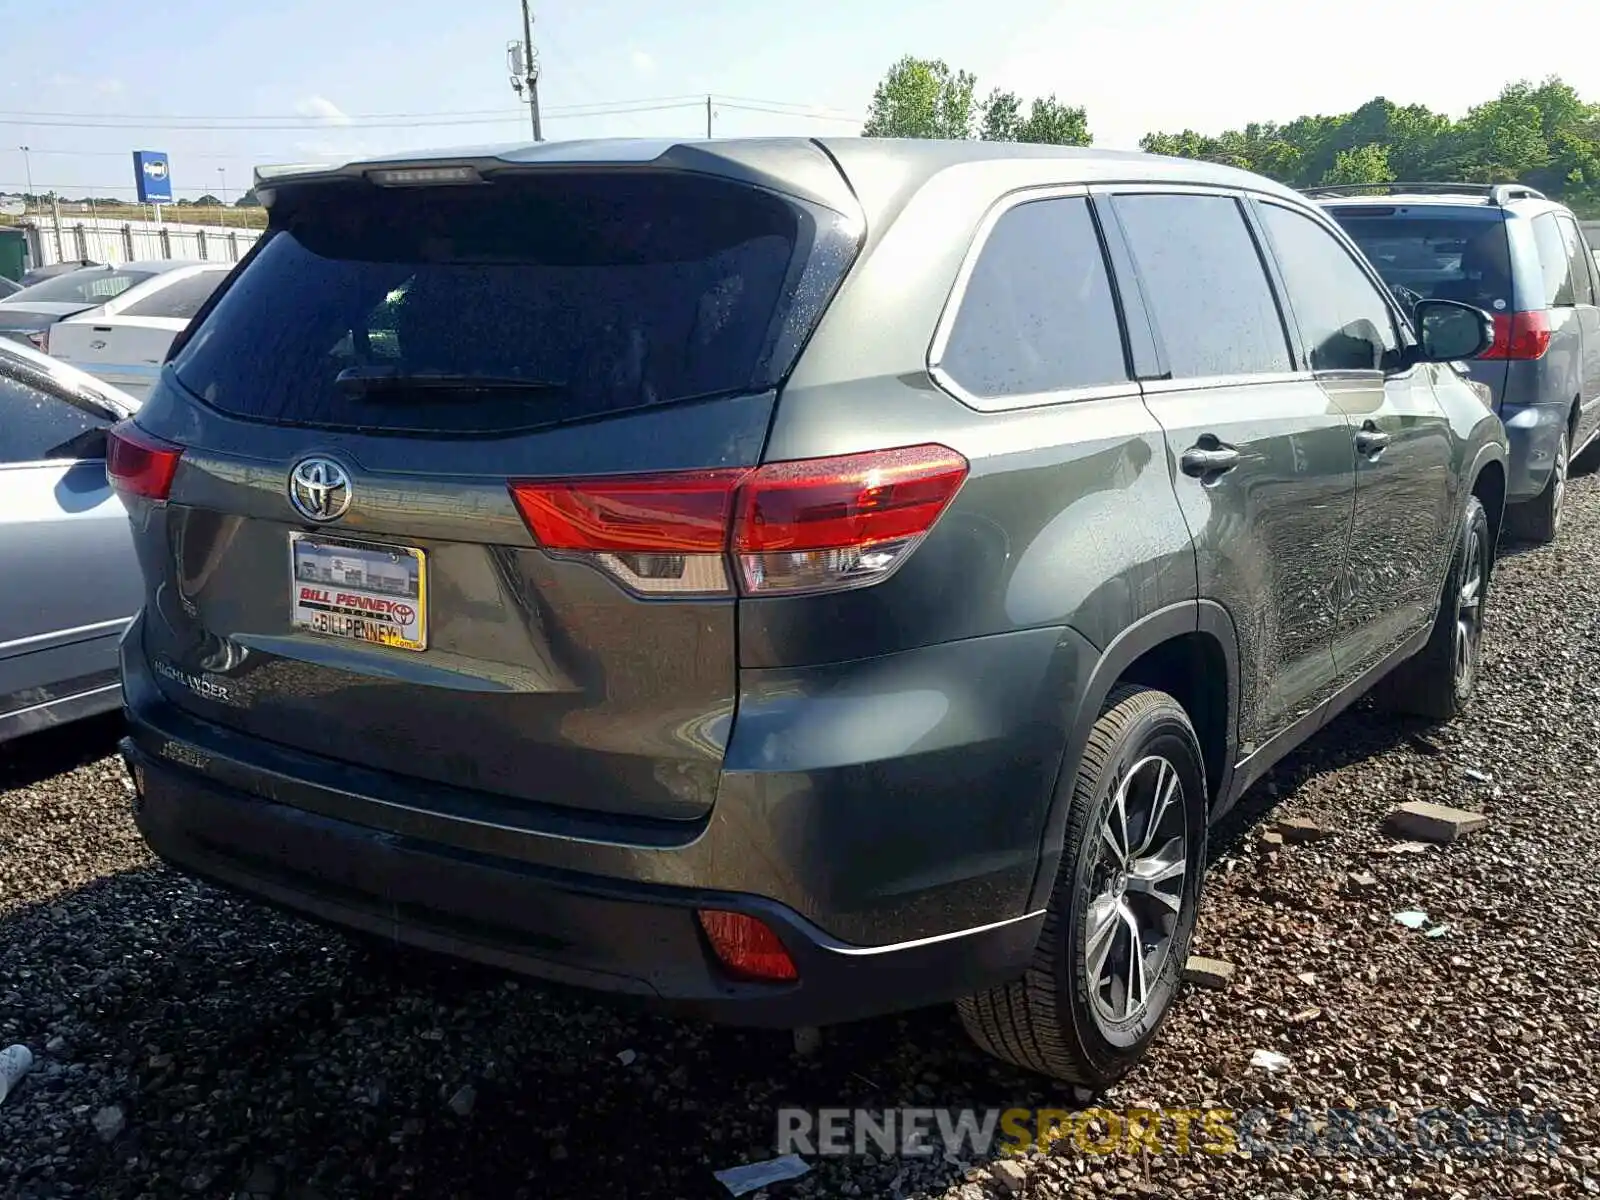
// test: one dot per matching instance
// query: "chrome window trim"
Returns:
(1198, 383)
(958, 292)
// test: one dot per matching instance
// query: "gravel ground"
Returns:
(190, 1043)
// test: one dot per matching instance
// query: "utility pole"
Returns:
(531, 62)
(708, 118)
(27, 165)
(223, 171)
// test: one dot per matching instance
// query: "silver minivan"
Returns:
(1521, 257)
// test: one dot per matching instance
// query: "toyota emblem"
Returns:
(319, 489)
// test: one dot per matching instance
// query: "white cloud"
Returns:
(322, 109)
(642, 62)
(109, 87)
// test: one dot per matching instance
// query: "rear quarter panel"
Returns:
(1068, 516)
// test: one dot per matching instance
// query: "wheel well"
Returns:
(1193, 670)
(1490, 489)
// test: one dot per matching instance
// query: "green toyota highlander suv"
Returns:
(788, 580)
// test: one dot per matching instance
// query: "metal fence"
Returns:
(109, 241)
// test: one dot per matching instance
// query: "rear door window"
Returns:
(503, 307)
(1555, 262)
(1577, 262)
(1205, 285)
(1037, 314)
(178, 301)
(1461, 256)
(1342, 315)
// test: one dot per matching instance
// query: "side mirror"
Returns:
(1451, 331)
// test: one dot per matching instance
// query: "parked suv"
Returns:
(788, 580)
(1522, 257)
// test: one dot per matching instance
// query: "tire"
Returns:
(1061, 1019)
(1539, 520)
(1438, 681)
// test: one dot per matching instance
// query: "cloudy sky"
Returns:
(222, 87)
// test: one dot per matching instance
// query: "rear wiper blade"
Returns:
(366, 380)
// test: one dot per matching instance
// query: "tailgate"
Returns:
(342, 566)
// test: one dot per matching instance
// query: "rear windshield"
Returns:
(91, 285)
(180, 300)
(1437, 257)
(500, 307)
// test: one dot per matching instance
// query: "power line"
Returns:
(243, 121)
(795, 104)
(124, 154)
(572, 71)
(325, 127)
(784, 112)
(410, 121)
(781, 108)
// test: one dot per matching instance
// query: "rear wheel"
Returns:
(1438, 682)
(1539, 519)
(1117, 930)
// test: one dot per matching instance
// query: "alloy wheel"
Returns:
(1469, 607)
(1558, 482)
(1136, 891)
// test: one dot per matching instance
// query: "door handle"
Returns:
(1370, 439)
(1208, 458)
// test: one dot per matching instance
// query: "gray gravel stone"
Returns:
(109, 1122)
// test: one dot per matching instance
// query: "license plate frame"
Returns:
(333, 593)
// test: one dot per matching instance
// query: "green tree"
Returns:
(1504, 140)
(1002, 117)
(208, 201)
(1364, 164)
(922, 98)
(1053, 123)
(1545, 135)
(248, 200)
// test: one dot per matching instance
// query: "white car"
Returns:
(124, 341)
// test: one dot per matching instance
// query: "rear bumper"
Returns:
(629, 940)
(1533, 431)
(884, 817)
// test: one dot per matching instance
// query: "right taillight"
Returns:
(1520, 335)
(828, 523)
(138, 464)
(813, 525)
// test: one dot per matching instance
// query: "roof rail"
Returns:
(1504, 192)
(1498, 194)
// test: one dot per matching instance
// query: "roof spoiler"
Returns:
(1497, 194)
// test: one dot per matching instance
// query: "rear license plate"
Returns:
(359, 590)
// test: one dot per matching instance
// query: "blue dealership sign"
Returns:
(153, 175)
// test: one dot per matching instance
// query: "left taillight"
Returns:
(812, 525)
(139, 464)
